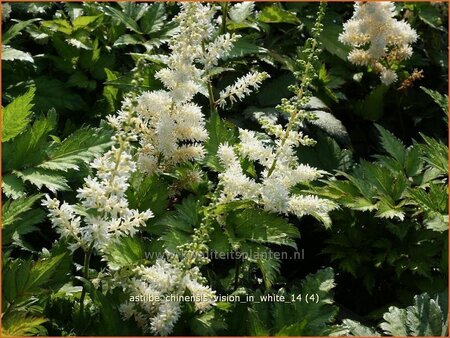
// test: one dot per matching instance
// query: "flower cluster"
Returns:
(242, 87)
(377, 38)
(156, 295)
(281, 172)
(172, 126)
(103, 214)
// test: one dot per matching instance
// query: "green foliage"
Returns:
(16, 115)
(66, 66)
(427, 317)
(310, 310)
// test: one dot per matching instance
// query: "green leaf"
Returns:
(12, 210)
(257, 326)
(177, 227)
(153, 19)
(372, 107)
(121, 17)
(148, 192)
(258, 226)
(12, 186)
(316, 314)
(42, 177)
(425, 318)
(23, 325)
(16, 115)
(392, 145)
(80, 147)
(435, 153)
(128, 39)
(88, 22)
(28, 148)
(441, 100)
(16, 29)
(354, 328)
(27, 278)
(11, 54)
(51, 92)
(276, 14)
(126, 252)
(243, 47)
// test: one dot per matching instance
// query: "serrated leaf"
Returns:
(80, 147)
(86, 22)
(354, 328)
(424, 318)
(441, 100)
(11, 54)
(315, 317)
(126, 252)
(392, 145)
(121, 17)
(14, 30)
(43, 177)
(243, 47)
(27, 149)
(386, 210)
(12, 186)
(16, 115)
(435, 153)
(153, 19)
(262, 227)
(276, 14)
(12, 210)
(22, 324)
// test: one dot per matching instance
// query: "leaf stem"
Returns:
(87, 260)
(224, 18)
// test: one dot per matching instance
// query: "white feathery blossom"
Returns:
(241, 11)
(172, 128)
(234, 182)
(242, 87)
(103, 214)
(378, 38)
(156, 292)
(281, 172)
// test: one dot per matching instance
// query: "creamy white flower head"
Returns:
(311, 205)
(376, 36)
(241, 11)
(171, 126)
(388, 76)
(274, 195)
(242, 87)
(255, 149)
(65, 221)
(165, 320)
(107, 215)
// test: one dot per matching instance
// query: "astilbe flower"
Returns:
(172, 127)
(377, 38)
(157, 289)
(281, 172)
(242, 87)
(103, 215)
